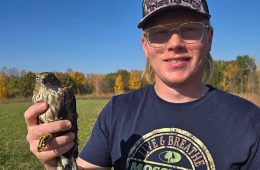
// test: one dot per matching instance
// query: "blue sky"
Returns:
(100, 36)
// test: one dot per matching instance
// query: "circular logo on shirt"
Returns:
(169, 149)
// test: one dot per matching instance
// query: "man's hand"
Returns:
(57, 146)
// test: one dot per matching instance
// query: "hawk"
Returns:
(62, 106)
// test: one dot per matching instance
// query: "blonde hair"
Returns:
(149, 75)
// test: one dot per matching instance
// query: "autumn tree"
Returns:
(89, 84)
(134, 80)
(217, 75)
(13, 86)
(98, 84)
(80, 81)
(125, 77)
(258, 82)
(12, 81)
(26, 84)
(66, 80)
(109, 82)
(229, 80)
(3, 88)
(247, 73)
(119, 85)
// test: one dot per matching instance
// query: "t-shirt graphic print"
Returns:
(169, 149)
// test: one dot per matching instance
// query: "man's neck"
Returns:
(180, 93)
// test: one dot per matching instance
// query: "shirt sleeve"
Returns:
(253, 161)
(97, 150)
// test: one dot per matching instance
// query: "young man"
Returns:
(177, 122)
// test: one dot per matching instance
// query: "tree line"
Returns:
(15, 84)
(237, 76)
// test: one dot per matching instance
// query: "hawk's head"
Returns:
(47, 80)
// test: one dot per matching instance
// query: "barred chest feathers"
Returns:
(54, 97)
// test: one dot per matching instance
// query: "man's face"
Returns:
(178, 62)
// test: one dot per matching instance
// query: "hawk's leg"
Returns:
(44, 140)
(66, 163)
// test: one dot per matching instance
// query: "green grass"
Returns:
(14, 149)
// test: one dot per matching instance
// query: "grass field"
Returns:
(14, 150)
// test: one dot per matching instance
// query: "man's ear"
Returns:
(144, 45)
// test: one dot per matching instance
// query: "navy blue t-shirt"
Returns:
(140, 131)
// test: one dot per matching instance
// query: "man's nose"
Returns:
(175, 41)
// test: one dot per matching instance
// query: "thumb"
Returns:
(31, 114)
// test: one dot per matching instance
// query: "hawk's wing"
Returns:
(68, 111)
(68, 108)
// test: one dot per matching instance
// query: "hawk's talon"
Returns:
(43, 141)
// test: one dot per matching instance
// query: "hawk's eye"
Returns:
(37, 79)
(51, 77)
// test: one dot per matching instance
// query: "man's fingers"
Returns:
(49, 128)
(47, 155)
(60, 141)
(31, 114)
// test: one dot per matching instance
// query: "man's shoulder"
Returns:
(135, 95)
(238, 112)
(233, 100)
(128, 102)
(239, 108)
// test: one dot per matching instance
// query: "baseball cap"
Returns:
(153, 7)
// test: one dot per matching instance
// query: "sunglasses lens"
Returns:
(188, 32)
